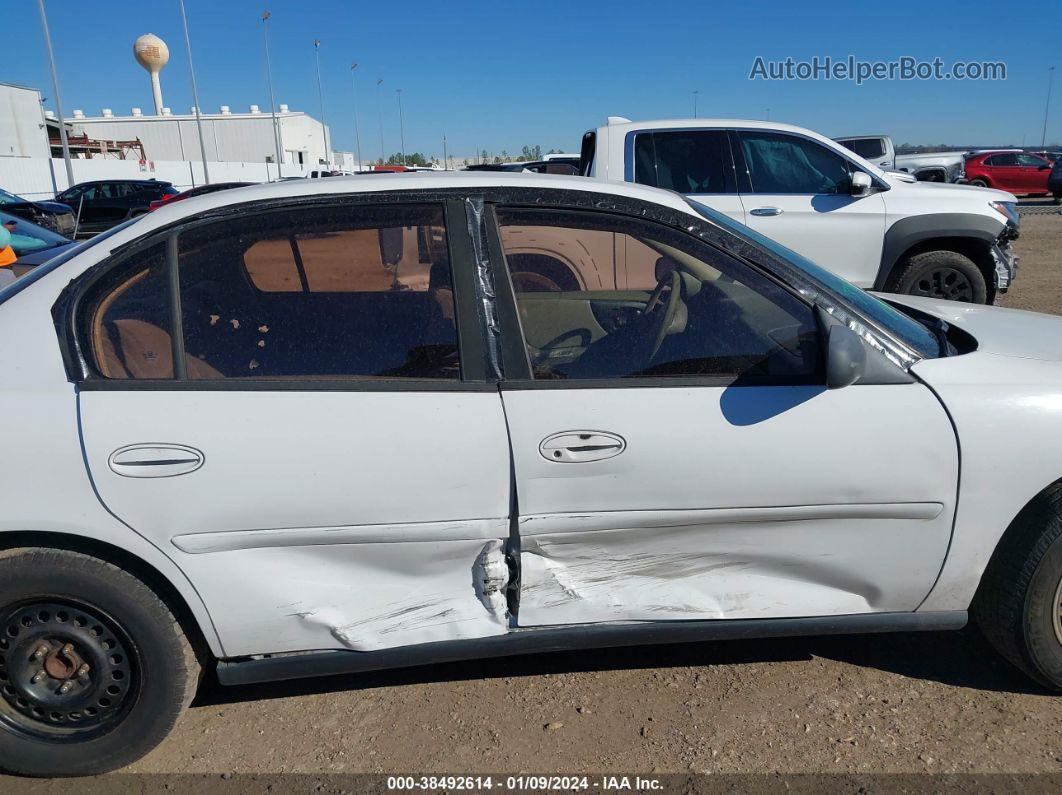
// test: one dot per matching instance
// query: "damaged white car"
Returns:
(351, 424)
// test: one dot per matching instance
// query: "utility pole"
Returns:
(379, 113)
(320, 99)
(354, 107)
(1047, 106)
(401, 127)
(58, 99)
(272, 102)
(195, 94)
(695, 93)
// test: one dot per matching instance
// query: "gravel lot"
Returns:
(901, 703)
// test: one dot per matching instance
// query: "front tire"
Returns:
(1019, 603)
(940, 274)
(94, 668)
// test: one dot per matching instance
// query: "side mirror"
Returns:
(861, 183)
(846, 358)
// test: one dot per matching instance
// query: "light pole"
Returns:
(272, 102)
(379, 113)
(401, 127)
(354, 107)
(446, 160)
(195, 94)
(58, 99)
(695, 93)
(320, 99)
(1047, 106)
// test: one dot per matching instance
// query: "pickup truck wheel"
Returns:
(1019, 603)
(978, 183)
(94, 668)
(940, 274)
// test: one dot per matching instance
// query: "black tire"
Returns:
(940, 274)
(977, 182)
(1017, 605)
(83, 610)
(1058, 198)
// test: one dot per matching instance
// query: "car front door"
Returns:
(1034, 171)
(798, 192)
(691, 464)
(280, 401)
(696, 163)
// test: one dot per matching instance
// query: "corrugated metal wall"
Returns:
(42, 178)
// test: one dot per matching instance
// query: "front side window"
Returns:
(321, 293)
(1031, 160)
(780, 163)
(664, 305)
(685, 161)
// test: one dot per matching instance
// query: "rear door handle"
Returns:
(155, 460)
(766, 211)
(577, 447)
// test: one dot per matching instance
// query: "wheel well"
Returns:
(136, 566)
(1011, 535)
(975, 249)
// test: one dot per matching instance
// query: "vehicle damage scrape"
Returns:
(446, 605)
(709, 568)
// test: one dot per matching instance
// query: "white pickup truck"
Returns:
(877, 230)
(925, 167)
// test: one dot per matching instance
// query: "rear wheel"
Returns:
(94, 669)
(1019, 603)
(978, 183)
(940, 274)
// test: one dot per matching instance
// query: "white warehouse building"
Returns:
(22, 132)
(230, 137)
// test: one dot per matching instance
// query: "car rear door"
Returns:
(798, 192)
(292, 403)
(715, 478)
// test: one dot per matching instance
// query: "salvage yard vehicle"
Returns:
(103, 204)
(924, 167)
(57, 217)
(1017, 172)
(875, 229)
(317, 427)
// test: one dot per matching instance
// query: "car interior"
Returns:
(347, 303)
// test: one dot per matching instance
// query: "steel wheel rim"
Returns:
(68, 672)
(947, 283)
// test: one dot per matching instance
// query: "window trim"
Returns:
(512, 336)
(729, 160)
(83, 373)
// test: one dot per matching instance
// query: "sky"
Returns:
(500, 75)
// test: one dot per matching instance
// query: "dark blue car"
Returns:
(1054, 181)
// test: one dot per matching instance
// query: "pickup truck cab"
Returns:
(814, 196)
(924, 167)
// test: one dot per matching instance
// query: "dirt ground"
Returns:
(902, 703)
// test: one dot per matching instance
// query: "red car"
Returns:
(1016, 172)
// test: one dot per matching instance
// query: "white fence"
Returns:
(42, 178)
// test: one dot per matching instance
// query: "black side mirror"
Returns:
(846, 358)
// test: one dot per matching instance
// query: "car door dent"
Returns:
(231, 540)
(446, 601)
(559, 523)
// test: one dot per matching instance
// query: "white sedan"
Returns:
(342, 425)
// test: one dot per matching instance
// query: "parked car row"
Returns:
(704, 436)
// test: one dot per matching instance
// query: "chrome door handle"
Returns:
(577, 447)
(155, 460)
(766, 211)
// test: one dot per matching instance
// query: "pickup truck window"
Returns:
(779, 163)
(867, 148)
(686, 161)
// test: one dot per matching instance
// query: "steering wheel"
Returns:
(664, 312)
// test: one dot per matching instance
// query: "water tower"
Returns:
(152, 53)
